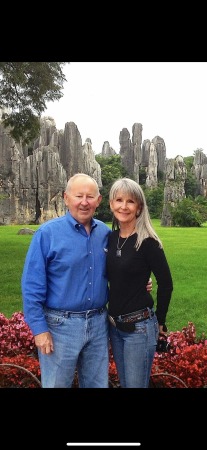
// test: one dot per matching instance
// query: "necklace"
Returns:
(118, 249)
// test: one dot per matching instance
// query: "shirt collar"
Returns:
(76, 224)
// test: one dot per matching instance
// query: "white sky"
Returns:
(169, 99)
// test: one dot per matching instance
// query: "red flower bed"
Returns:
(19, 371)
(184, 365)
(185, 361)
(19, 366)
(15, 336)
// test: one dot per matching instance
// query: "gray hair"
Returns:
(143, 227)
(81, 175)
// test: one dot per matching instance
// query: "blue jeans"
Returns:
(80, 341)
(134, 352)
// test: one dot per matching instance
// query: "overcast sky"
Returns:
(169, 99)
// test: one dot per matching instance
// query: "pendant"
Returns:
(118, 252)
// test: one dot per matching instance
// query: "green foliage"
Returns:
(160, 177)
(154, 198)
(188, 160)
(189, 212)
(191, 184)
(25, 87)
(111, 170)
(201, 200)
(142, 176)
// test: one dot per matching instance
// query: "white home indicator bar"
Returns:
(103, 444)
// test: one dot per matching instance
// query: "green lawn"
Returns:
(186, 251)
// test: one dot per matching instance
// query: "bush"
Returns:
(19, 366)
(189, 213)
(186, 361)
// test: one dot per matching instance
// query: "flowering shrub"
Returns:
(185, 361)
(15, 336)
(19, 371)
(184, 365)
(19, 366)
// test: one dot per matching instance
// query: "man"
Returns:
(65, 291)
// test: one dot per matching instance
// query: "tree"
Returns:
(154, 198)
(111, 170)
(25, 87)
(189, 212)
(191, 187)
(191, 183)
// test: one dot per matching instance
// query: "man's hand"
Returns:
(44, 342)
(149, 285)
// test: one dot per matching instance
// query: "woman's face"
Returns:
(124, 207)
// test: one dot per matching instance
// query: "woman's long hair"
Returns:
(143, 227)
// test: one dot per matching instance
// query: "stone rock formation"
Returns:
(107, 150)
(130, 150)
(26, 231)
(126, 151)
(174, 190)
(136, 147)
(159, 144)
(151, 180)
(200, 171)
(33, 179)
(145, 150)
(150, 154)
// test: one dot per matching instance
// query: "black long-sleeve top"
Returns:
(128, 276)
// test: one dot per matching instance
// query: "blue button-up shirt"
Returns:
(65, 269)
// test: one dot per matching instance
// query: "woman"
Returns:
(134, 252)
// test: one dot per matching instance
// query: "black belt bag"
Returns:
(126, 322)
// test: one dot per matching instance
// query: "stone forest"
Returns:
(33, 178)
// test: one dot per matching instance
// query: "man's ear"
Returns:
(65, 198)
(99, 199)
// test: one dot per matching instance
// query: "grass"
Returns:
(13, 251)
(186, 251)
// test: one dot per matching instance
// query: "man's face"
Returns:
(82, 199)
